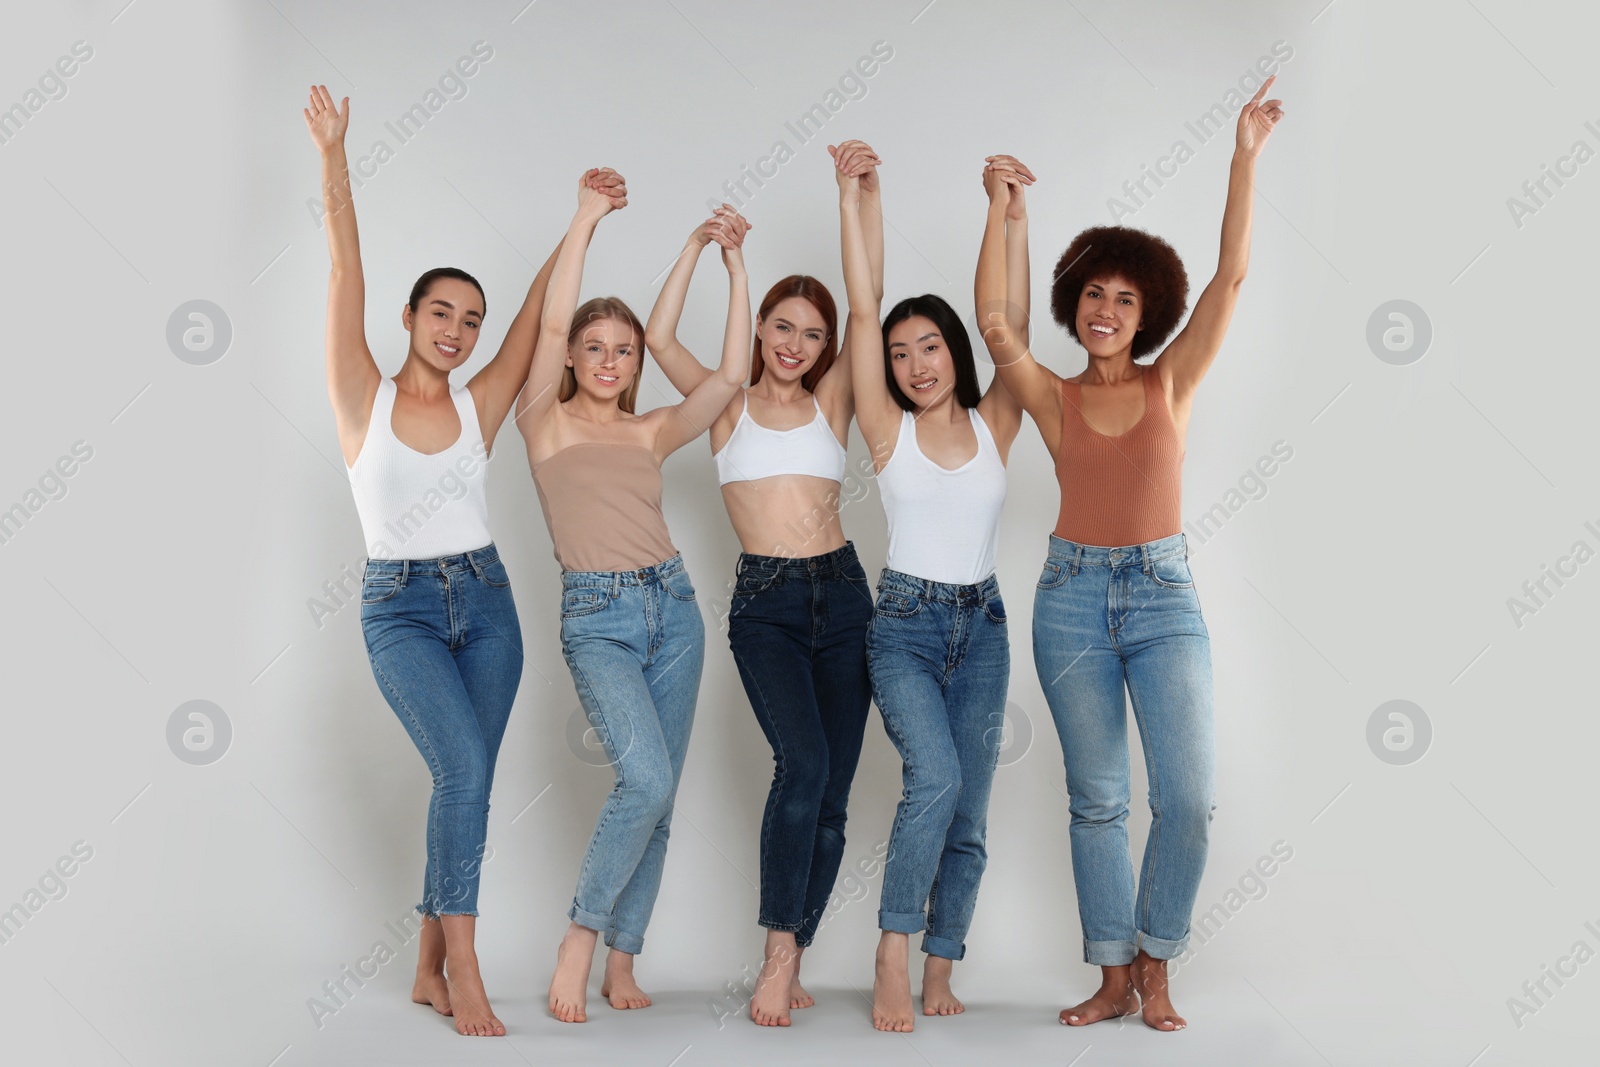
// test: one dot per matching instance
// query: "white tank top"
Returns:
(416, 506)
(944, 525)
(753, 451)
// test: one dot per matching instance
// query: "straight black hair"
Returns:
(954, 331)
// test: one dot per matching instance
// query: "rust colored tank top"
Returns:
(1123, 490)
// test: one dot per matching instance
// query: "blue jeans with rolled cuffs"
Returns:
(940, 661)
(1105, 620)
(635, 643)
(445, 647)
(798, 629)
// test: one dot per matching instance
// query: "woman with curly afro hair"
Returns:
(1115, 608)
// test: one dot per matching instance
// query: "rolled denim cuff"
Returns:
(632, 944)
(1109, 953)
(943, 947)
(1159, 947)
(901, 922)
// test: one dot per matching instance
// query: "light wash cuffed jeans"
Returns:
(940, 661)
(635, 642)
(1105, 619)
(444, 645)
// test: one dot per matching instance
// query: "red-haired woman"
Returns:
(801, 602)
(1115, 608)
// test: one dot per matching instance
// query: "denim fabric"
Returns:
(798, 630)
(940, 660)
(1105, 618)
(635, 643)
(445, 647)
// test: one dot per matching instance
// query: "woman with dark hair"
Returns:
(1115, 616)
(798, 620)
(436, 609)
(937, 650)
(631, 631)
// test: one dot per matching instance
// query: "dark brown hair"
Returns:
(1144, 259)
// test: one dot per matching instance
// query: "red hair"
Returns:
(816, 294)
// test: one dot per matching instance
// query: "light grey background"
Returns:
(1377, 566)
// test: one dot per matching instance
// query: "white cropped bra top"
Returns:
(753, 451)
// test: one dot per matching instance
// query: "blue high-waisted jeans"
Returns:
(940, 660)
(635, 643)
(445, 647)
(798, 628)
(1105, 618)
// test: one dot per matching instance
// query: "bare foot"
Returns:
(936, 996)
(618, 985)
(1114, 999)
(468, 1002)
(430, 987)
(1150, 980)
(771, 1002)
(798, 997)
(569, 986)
(891, 984)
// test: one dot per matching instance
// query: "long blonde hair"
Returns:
(604, 307)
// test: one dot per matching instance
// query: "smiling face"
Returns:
(444, 327)
(920, 360)
(792, 336)
(604, 358)
(1110, 309)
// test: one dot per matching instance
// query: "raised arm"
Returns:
(1002, 300)
(682, 369)
(999, 405)
(689, 419)
(856, 159)
(876, 411)
(561, 300)
(1184, 362)
(352, 374)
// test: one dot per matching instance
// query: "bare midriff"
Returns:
(787, 515)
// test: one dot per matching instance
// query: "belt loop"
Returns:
(405, 572)
(1077, 561)
(1144, 558)
(477, 570)
(616, 584)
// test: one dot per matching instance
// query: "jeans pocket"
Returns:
(494, 574)
(380, 587)
(995, 609)
(678, 585)
(576, 603)
(897, 605)
(1171, 573)
(1055, 574)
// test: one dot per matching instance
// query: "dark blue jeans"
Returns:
(445, 647)
(941, 662)
(798, 629)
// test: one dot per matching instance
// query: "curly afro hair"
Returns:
(1144, 259)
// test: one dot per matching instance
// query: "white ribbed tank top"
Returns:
(944, 525)
(418, 506)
